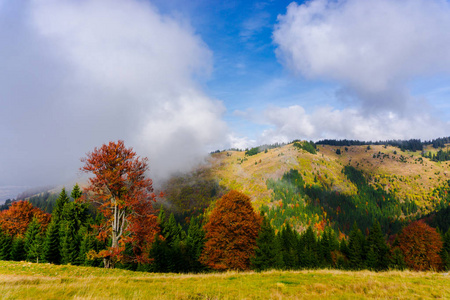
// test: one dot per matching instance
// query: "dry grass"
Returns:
(411, 179)
(19, 280)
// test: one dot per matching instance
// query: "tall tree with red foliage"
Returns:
(421, 245)
(125, 197)
(231, 233)
(15, 220)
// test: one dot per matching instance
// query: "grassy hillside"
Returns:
(406, 174)
(20, 280)
(397, 185)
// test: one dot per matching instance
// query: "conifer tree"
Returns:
(73, 216)
(310, 249)
(52, 243)
(268, 252)
(195, 242)
(33, 242)
(18, 249)
(328, 245)
(5, 246)
(62, 200)
(356, 246)
(159, 252)
(288, 240)
(76, 192)
(376, 243)
(397, 259)
(446, 251)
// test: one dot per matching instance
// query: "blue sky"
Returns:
(176, 79)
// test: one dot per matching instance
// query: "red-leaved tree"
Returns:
(231, 233)
(421, 245)
(125, 197)
(16, 219)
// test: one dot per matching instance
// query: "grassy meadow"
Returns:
(22, 280)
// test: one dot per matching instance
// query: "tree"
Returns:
(16, 219)
(267, 253)
(76, 192)
(288, 240)
(5, 246)
(356, 246)
(195, 241)
(18, 249)
(421, 245)
(52, 251)
(378, 250)
(33, 241)
(124, 196)
(445, 254)
(231, 233)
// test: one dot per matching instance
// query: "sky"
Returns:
(177, 79)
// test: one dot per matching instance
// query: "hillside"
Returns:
(387, 184)
(21, 280)
(406, 174)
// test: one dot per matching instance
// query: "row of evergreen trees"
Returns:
(65, 240)
(69, 238)
(291, 250)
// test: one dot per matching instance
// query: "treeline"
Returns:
(65, 236)
(411, 145)
(438, 156)
(232, 237)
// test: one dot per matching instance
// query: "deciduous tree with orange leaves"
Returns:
(231, 233)
(421, 245)
(16, 219)
(125, 197)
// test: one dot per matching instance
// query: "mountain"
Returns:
(324, 184)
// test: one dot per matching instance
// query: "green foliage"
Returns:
(5, 246)
(52, 243)
(268, 251)
(307, 146)
(74, 215)
(378, 250)
(18, 249)
(195, 241)
(288, 239)
(356, 248)
(76, 192)
(398, 260)
(252, 151)
(445, 254)
(33, 242)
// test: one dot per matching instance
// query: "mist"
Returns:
(78, 74)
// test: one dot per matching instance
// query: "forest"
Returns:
(118, 221)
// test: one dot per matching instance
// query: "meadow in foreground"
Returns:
(23, 280)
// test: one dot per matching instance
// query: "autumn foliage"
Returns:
(122, 193)
(231, 233)
(421, 245)
(16, 219)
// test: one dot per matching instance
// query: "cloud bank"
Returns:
(373, 49)
(77, 74)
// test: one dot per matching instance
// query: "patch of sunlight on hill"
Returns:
(405, 174)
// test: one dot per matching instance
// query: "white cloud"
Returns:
(290, 123)
(371, 44)
(373, 49)
(86, 72)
